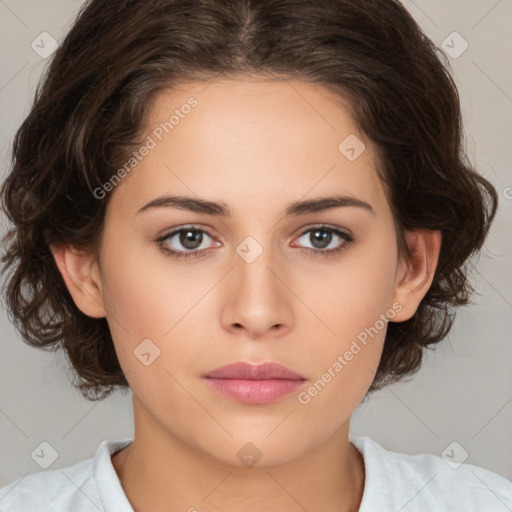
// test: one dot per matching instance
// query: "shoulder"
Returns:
(42, 491)
(73, 488)
(427, 482)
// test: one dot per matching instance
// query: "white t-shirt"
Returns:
(394, 482)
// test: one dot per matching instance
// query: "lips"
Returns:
(254, 372)
(255, 384)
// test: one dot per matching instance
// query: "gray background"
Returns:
(462, 394)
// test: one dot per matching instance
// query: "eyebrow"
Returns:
(221, 209)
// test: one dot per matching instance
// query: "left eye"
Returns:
(322, 236)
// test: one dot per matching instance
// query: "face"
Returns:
(307, 289)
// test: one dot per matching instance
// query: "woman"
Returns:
(253, 215)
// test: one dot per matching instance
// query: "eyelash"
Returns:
(348, 239)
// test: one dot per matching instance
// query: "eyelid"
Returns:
(181, 227)
(303, 230)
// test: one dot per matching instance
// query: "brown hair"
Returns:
(91, 104)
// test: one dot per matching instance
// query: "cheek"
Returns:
(351, 293)
(150, 297)
(148, 293)
(159, 302)
(351, 299)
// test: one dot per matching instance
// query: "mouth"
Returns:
(255, 384)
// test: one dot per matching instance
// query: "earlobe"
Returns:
(80, 273)
(415, 275)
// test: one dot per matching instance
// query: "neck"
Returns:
(160, 472)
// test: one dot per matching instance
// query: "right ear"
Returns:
(80, 272)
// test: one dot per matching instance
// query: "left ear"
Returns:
(415, 275)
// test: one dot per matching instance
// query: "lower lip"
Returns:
(255, 391)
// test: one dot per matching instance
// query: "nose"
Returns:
(257, 299)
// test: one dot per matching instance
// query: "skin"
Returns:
(256, 146)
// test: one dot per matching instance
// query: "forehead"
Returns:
(244, 140)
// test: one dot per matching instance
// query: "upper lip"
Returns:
(249, 371)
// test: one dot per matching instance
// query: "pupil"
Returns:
(187, 239)
(324, 238)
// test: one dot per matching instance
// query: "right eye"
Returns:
(189, 237)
